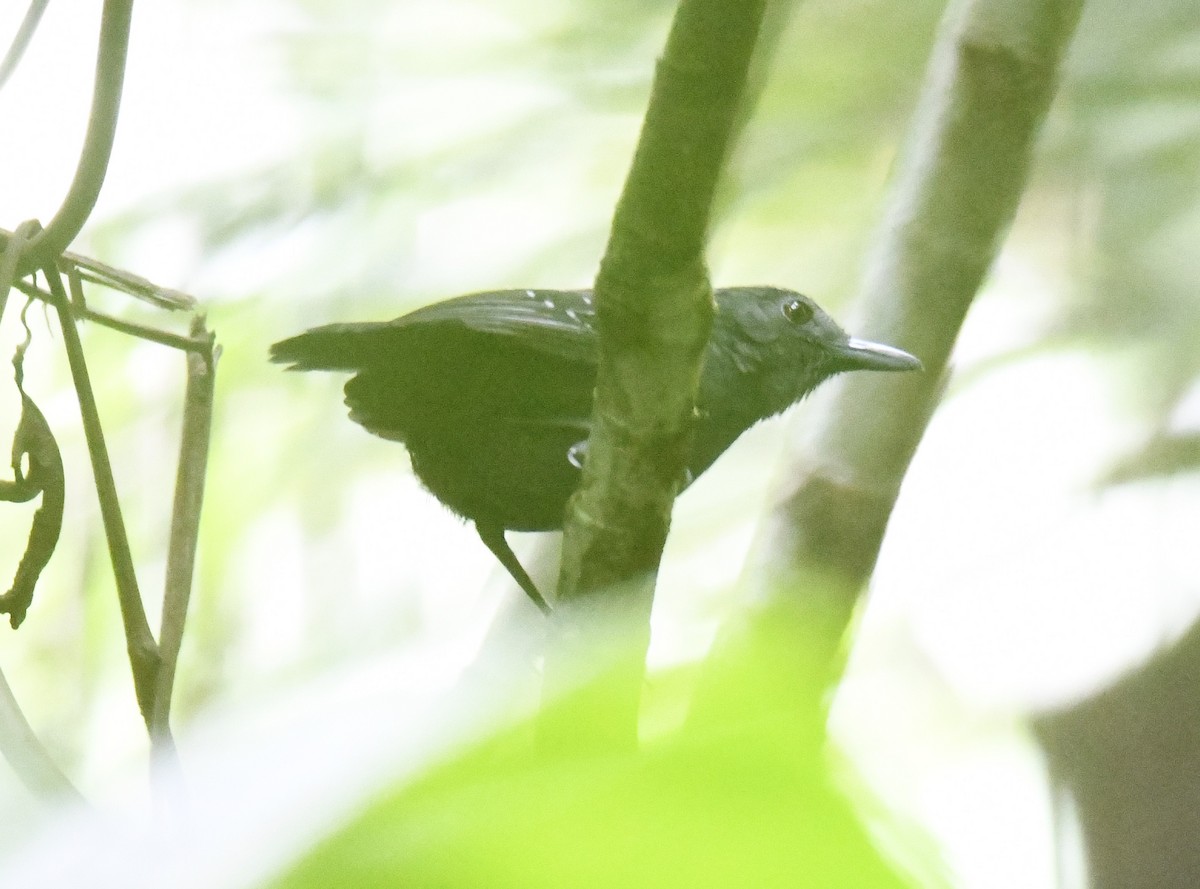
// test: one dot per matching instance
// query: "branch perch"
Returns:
(654, 310)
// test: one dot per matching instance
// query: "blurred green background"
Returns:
(293, 163)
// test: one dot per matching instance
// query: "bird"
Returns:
(491, 392)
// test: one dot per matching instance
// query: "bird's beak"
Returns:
(856, 354)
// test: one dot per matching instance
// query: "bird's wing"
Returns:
(519, 358)
(557, 322)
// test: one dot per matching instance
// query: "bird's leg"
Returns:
(493, 537)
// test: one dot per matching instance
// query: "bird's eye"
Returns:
(797, 311)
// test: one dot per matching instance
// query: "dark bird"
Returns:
(492, 392)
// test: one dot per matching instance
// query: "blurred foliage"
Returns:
(1125, 151)
(1163, 454)
(746, 795)
(731, 811)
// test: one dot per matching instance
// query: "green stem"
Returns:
(185, 520)
(140, 331)
(654, 312)
(98, 142)
(143, 651)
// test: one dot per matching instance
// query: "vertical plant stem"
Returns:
(654, 312)
(991, 78)
(185, 520)
(993, 73)
(143, 651)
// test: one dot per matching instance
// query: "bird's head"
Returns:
(786, 345)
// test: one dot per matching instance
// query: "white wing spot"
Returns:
(531, 294)
(576, 454)
(587, 299)
(572, 314)
(548, 303)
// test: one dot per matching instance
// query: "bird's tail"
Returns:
(335, 347)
